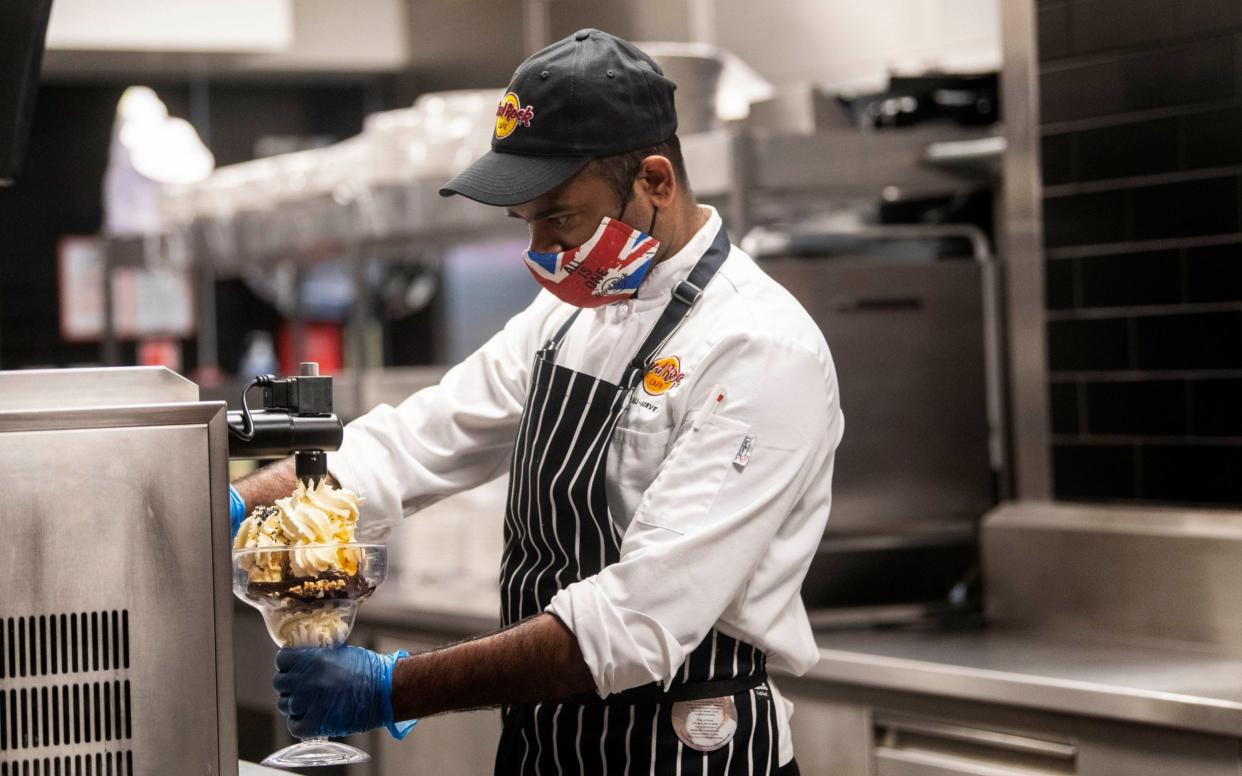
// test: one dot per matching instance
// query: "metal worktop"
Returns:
(250, 769)
(1060, 638)
(1154, 684)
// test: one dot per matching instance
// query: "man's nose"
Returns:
(544, 240)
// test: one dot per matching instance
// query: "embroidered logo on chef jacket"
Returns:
(705, 725)
(510, 113)
(664, 375)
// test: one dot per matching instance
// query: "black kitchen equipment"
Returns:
(23, 27)
(296, 417)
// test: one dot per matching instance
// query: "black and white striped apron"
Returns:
(558, 530)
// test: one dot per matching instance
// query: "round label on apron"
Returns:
(705, 725)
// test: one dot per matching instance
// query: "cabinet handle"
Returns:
(876, 304)
(890, 728)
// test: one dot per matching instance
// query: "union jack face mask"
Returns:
(607, 268)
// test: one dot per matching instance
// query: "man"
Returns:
(668, 416)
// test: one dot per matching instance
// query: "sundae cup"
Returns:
(296, 562)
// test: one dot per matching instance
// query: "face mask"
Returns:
(607, 268)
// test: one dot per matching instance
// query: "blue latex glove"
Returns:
(336, 691)
(237, 511)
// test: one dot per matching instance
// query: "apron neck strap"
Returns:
(685, 294)
(555, 342)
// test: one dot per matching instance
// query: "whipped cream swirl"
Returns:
(318, 514)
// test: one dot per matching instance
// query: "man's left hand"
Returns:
(336, 691)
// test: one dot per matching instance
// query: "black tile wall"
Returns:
(1138, 98)
(1063, 407)
(1198, 208)
(1053, 31)
(1127, 150)
(1197, 16)
(1147, 278)
(1212, 138)
(1216, 408)
(1088, 345)
(1082, 91)
(1094, 471)
(1193, 208)
(1084, 219)
(1198, 140)
(1059, 284)
(1057, 159)
(1200, 71)
(1214, 274)
(1189, 341)
(1190, 474)
(1156, 408)
(1209, 274)
(1105, 24)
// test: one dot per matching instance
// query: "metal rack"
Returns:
(745, 173)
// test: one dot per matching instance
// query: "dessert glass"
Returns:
(308, 596)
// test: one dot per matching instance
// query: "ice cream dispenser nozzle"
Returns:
(296, 418)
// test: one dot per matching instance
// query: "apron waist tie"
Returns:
(690, 691)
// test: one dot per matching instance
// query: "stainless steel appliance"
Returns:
(115, 622)
(914, 342)
(116, 619)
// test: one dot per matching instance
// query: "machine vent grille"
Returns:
(66, 687)
(98, 764)
(48, 645)
(60, 715)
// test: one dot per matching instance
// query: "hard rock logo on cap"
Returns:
(664, 374)
(510, 113)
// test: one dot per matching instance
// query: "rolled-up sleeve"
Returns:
(445, 438)
(733, 476)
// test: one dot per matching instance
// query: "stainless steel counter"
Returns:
(250, 769)
(1159, 685)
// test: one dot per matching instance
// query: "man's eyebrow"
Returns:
(557, 208)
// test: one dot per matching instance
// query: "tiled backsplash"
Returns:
(1141, 124)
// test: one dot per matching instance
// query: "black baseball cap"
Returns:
(589, 95)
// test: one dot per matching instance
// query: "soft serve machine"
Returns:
(116, 618)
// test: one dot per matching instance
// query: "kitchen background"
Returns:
(1019, 223)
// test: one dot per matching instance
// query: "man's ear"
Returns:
(657, 180)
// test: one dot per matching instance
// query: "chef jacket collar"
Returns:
(661, 278)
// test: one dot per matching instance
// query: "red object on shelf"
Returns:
(160, 351)
(323, 344)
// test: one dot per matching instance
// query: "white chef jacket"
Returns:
(711, 538)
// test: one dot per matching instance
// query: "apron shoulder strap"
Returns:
(555, 342)
(685, 294)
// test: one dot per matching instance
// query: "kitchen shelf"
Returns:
(1141, 311)
(1141, 246)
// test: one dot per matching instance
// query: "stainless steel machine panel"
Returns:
(908, 343)
(915, 470)
(115, 623)
(65, 388)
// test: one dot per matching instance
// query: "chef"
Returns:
(668, 417)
